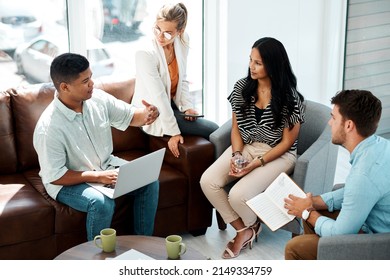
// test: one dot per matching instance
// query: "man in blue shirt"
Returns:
(363, 205)
(74, 145)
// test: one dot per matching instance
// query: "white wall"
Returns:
(312, 31)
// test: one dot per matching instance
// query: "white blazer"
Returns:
(153, 84)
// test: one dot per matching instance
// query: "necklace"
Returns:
(170, 56)
(264, 97)
(264, 90)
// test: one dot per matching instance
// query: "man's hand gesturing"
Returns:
(151, 112)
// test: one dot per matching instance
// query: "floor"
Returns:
(270, 245)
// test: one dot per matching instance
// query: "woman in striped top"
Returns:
(267, 113)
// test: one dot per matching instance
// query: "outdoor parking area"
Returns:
(119, 41)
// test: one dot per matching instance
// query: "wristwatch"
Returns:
(306, 214)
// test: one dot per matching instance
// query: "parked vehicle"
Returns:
(33, 59)
(123, 15)
(18, 24)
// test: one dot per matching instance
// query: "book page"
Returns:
(269, 205)
(268, 212)
(280, 188)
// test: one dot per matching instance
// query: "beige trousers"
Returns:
(233, 205)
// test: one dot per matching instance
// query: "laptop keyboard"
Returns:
(110, 186)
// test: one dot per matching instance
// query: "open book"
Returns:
(269, 205)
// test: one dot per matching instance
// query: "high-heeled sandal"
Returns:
(257, 227)
(244, 245)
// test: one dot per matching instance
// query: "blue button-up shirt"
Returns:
(365, 199)
(66, 140)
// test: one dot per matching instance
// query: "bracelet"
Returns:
(236, 152)
(261, 160)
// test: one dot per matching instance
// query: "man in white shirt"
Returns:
(74, 145)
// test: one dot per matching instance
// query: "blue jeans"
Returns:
(100, 208)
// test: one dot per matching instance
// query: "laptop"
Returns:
(134, 175)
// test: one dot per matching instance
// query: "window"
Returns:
(367, 63)
(106, 31)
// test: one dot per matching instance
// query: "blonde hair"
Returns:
(174, 12)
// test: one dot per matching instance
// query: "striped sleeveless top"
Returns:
(262, 131)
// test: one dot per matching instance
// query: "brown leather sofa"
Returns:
(34, 226)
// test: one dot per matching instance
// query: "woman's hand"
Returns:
(240, 171)
(191, 112)
(173, 144)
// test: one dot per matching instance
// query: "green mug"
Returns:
(107, 240)
(175, 246)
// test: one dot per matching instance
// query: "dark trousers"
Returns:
(200, 127)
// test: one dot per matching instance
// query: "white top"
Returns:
(153, 84)
(66, 140)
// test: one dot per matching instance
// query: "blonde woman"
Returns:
(161, 78)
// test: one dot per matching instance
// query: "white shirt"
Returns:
(153, 84)
(66, 140)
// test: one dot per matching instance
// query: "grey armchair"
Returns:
(317, 156)
(354, 246)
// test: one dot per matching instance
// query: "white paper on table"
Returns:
(131, 254)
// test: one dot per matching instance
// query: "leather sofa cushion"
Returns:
(40, 249)
(133, 138)
(21, 208)
(8, 161)
(121, 89)
(28, 106)
(66, 218)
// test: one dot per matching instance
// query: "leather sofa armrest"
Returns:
(196, 155)
(355, 247)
